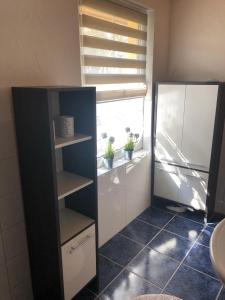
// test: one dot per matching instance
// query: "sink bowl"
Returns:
(217, 250)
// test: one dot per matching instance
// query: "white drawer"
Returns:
(79, 262)
(166, 181)
(193, 188)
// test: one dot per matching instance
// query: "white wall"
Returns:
(40, 46)
(197, 40)
(161, 10)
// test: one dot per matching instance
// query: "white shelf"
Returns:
(72, 223)
(61, 142)
(69, 183)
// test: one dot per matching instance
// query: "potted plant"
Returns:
(109, 152)
(130, 144)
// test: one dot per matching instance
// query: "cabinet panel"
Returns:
(111, 204)
(123, 193)
(193, 188)
(137, 194)
(79, 262)
(199, 117)
(187, 187)
(170, 109)
(166, 181)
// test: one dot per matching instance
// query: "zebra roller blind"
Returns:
(113, 48)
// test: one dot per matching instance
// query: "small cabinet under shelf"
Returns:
(79, 264)
(59, 185)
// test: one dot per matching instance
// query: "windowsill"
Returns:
(121, 162)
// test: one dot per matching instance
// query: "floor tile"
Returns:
(153, 266)
(199, 259)
(170, 244)
(140, 231)
(205, 235)
(85, 295)
(197, 216)
(156, 217)
(185, 228)
(190, 213)
(120, 249)
(126, 286)
(192, 285)
(222, 295)
(107, 272)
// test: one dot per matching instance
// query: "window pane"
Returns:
(114, 117)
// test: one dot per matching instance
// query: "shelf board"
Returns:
(69, 183)
(72, 223)
(61, 142)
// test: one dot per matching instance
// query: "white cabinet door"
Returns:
(111, 204)
(170, 109)
(166, 181)
(79, 262)
(193, 188)
(198, 127)
(136, 186)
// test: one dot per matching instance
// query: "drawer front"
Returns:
(166, 181)
(193, 189)
(79, 262)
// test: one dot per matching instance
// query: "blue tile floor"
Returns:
(158, 252)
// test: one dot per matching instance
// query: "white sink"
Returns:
(217, 250)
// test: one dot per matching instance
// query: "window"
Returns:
(113, 49)
(113, 117)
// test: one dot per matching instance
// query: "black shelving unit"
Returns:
(59, 178)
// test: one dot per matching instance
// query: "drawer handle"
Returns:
(81, 242)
